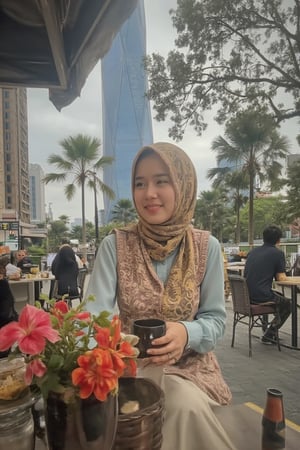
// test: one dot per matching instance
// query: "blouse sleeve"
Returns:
(209, 323)
(103, 280)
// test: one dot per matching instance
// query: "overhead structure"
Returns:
(56, 43)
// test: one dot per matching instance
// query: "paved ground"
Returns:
(249, 378)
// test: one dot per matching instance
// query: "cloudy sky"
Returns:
(47, 126)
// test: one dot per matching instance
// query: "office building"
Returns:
(14, 179)
(37, 194)
(127, 124)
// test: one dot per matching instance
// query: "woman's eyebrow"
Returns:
(163, 174)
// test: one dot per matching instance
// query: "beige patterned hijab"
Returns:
(160, 240)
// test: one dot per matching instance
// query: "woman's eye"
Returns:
(139, 185)
(163, 181)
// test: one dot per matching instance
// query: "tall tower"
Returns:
(37, 194)
(14, 180)
(127, 124)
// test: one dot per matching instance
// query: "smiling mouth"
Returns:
(152, 208)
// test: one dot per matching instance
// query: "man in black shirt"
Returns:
(263, 265)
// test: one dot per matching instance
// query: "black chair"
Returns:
(248, 313)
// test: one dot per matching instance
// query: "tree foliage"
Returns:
(211, 212)
(56, 232)
(235, 183)
(267, 211)
(293, 192)
(230, 53)
(124, 212)
(253, 147)
(76, 232)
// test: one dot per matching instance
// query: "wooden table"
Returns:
(243, 425)
(293, 282)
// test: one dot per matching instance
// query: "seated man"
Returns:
(263, 265)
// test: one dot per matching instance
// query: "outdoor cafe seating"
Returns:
(247, 313)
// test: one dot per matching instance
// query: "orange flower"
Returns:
(97, 373)
(102, 336)
(30, 333)
(116, 331)
(109, 338)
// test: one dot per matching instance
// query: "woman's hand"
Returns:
(171, 345)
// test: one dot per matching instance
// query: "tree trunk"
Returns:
(251, 201)
(96, 214)
(84, 251)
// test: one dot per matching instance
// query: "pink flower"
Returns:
(61, 306)
(34, 367)
(83, 315)
(30, 333)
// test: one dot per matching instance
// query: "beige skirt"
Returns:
(189, 422)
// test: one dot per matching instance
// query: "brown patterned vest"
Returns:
(135, 269)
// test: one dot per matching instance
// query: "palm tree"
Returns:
(124, 212)
(254, 147)
(293, 191)
(80, 159)
(234, 183)
(210, 212)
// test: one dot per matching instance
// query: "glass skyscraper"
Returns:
(127, 124)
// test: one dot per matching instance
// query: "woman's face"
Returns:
(154, 194)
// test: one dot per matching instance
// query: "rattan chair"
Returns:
(247, 313)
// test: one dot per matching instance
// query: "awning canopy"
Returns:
(56, 43)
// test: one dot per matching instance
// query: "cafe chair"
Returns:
(81, 282)
(249, 314)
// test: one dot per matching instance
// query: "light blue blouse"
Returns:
(209, 323)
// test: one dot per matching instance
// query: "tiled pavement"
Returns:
(249, 378)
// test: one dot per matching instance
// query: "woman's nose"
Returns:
(151, 190)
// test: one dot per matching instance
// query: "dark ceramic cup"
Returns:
(147, 330)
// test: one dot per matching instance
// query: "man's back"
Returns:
(262, 265)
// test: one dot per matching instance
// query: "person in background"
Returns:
(65, 269)
(85, 264)
(78, 259)
(22, 259)
(164, 268)
(7, 301)
(295, 269)
(11, 271)
(263, 265)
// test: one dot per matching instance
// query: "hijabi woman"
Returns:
(162, 267)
